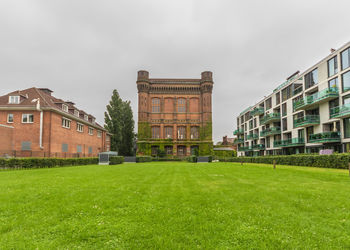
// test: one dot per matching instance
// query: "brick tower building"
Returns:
(174, 115)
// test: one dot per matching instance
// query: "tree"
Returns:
(126, 147)
(113, 118)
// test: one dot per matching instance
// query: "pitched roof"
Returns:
(174, 81)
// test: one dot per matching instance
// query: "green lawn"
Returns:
(175, 205)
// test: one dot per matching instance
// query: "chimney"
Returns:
(46, 91)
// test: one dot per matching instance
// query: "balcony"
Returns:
(311, 101)
(238, 141)
(270, 131)
(238, 132)
(259, 147)
(257, 111)
(292, 142)
(245, 148)
(325, 137)
(273, 117)
(306, 121)
(252, 136)
(340, 111)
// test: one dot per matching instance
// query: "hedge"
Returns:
(28, 163)
(143, 158)
(340, 161)
(192, 158)
(114, 160)
(166, 159)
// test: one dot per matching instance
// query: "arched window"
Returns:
(155, 105)
(181, 105)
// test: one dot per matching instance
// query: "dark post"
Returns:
(274, 164)
(349, 168)
(241, 162)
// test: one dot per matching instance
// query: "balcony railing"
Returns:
(245, 148)
(270, 118)
(270, 131)
(238, 131)
(259, 147)
(293, 142)
(317, 98)
(340, 111)
(257, 111)
(307, 120)
(252, 136)
(238, 141)
(324, 137)
(297, 90)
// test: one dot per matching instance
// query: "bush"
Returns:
(114, 160)
(143, 158)
(166, 159)
(340, 161)
(28, 163)
(192, 158)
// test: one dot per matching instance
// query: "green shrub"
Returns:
(114, 160)
(313, 160)
(143, 158)
(28, 163)
(192, 158)
(166, 159)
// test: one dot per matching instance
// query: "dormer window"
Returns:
(14, 99)
(65, 107)
(76, 112)
(86, 117)
(93, 120)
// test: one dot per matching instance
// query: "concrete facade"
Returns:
(305, 114)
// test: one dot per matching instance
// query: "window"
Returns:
(284, 109)
(333, 83)
(154, 150)
(346, 99)
(155, 105)
(311, 79)
(168, 132)
(268, 104)
(65, 122)
(80, 127)
(346, 127)
(90, 150)
(27, 118)
(108, 138)
(345, 58)
(332, 104)
(155, 132)
(64, 107)
(86, 117)
(79, 149)
(332, 66)
(181, 133)
(14, 99)
(169, 150)
(284, 124)
(278, 99)
(194, 132)
(64, 148)
(181, 105)
(91, 131)
(76, 112)
(346, 81)
(10, 118)
(26, 145)
(99, 133)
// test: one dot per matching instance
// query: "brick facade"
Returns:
(175, 115)
(57, 140)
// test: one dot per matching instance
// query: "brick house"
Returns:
(174, 115)
(45, 126)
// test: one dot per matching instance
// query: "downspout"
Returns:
(41, 124)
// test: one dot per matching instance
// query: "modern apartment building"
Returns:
(35, 123)
(174, 115)
(307, 113)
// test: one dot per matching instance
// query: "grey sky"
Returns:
(82, 49)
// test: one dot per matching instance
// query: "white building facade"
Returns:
(307, 113)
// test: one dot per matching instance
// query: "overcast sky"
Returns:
(82, 49)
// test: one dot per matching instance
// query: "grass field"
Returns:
(175, 205)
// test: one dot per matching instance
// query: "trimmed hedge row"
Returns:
(143, 158)
(166, 159)
(28, 163)
(114, 160)
(340, 161)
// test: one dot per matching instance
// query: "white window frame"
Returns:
(80, 127)
(76, 112)
(86, 117)
(14, 99)
(8, 116)
(91, 131)
(66, 122)
(28, 116)
(65, 107)
(99, 133)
